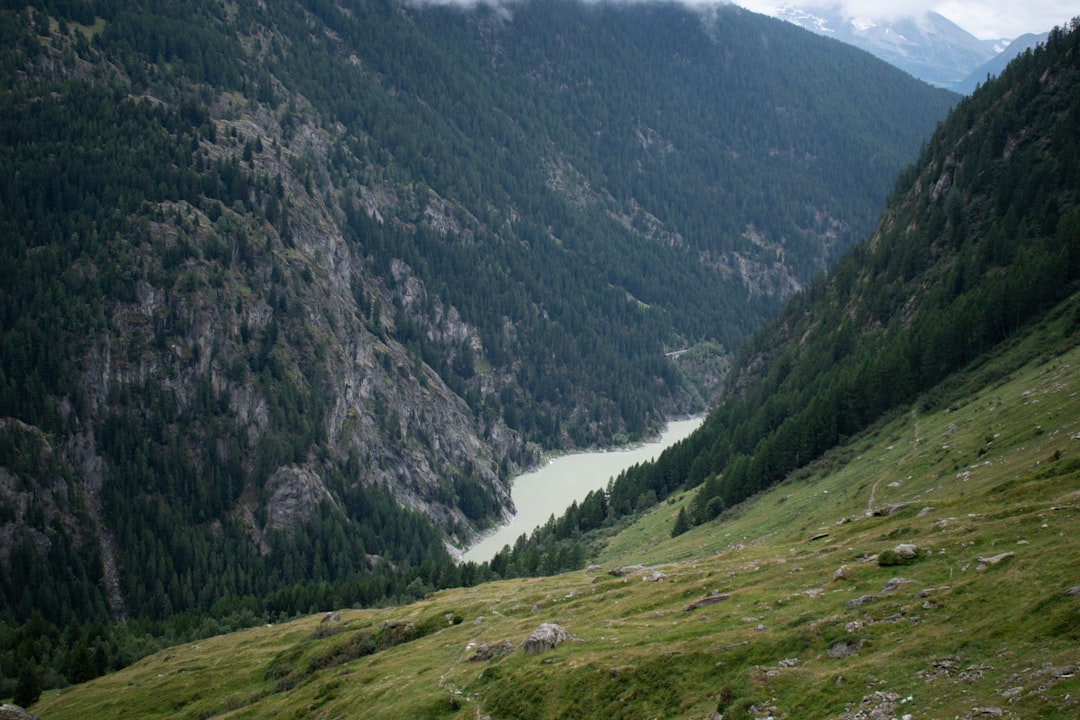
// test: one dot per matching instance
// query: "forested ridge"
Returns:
(292, 289)
(981, 238)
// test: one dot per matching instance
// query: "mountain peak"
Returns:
(927, 45)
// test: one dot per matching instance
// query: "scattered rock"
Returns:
(710, 599)
(925, 511)
(331, 617)
(895, 583)
(862, 600)
(627, 570)
(544, 638)
(1074, 591)
(764, 710)
(984, 562)
(889, 509)
(487, 652)
(654, 576)
(844, 648)
(819, 536)
(840, 574)
(878, 705)
(944, 667)
(991, 711)
(788, 663)
(593, 569)
(1012, 692)
(974, 672)
(1065, 671)
(537, 607)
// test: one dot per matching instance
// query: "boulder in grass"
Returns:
(902, 554)
(544, 638)
(844, 648)
(908, 551)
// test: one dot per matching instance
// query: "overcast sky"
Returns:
(986, 19)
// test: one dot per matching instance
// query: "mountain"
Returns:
(930, 47)
(996, 65)
(882, 507)
(292, 290)
(875, 520)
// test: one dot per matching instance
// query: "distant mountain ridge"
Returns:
(930, 47)
(996, 65)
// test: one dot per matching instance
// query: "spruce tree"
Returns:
(28, 689)
(682, 523)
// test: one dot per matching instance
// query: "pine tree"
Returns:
(28, 689)
(682, 523)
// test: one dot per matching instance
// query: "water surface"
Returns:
(551, 489)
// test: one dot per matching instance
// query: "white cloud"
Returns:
(987, 19)
(982, 18)
(1008, 18)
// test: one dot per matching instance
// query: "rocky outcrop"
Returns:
(14, 712)
(295, 493)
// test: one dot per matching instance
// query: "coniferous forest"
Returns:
(292, 290)
(980, 239)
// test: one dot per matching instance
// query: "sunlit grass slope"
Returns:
(806, 618)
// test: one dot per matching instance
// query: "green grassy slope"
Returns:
(984, 480)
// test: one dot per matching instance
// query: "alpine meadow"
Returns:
(293, 290)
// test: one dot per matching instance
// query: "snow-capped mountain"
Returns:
(931, 47)
(997, 63)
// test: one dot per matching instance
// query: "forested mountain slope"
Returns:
(291, 289)
(980, 237)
